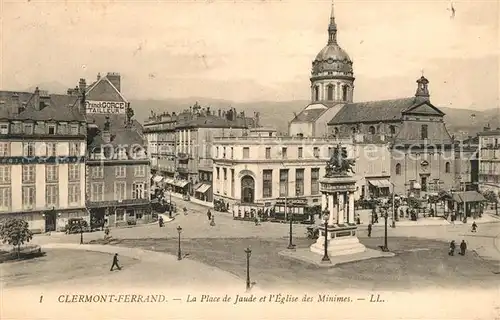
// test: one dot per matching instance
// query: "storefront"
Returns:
(379, 188)
(202, 192)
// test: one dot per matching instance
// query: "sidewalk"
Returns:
(194, 200)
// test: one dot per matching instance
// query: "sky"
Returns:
(249, 50)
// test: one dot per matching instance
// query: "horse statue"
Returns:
(339, 164)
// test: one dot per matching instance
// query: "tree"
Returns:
(491, 197)
(15, 232)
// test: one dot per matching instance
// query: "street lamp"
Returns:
(394, 215)
(326, 258)
(81, 232)
(385, 247)
(249, 253)
(179, 256)
(170, 202)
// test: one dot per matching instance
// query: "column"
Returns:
(324, 202)
(331, 207)
(337, 91)
(351, 208)
(341, 205)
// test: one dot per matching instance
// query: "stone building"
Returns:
(42, 158)
(118, 168)
(489, 159)
(420, 148)
(182, 146)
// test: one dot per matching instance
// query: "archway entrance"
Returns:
(247, 189)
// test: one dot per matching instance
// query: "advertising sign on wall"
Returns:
(105, 107)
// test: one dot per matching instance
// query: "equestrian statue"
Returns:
(339, 164)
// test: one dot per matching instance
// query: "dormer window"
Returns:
(28, 128)
(52, 129)
(371, 130)
(4, 128)
(74, 129)
(392, 129)
(63, 128)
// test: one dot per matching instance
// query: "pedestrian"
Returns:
(474, 227)
(376, 218)
(115, 262)
(212, 222)
(209, 215)
(369, 230)
(358, 220)
(185, 211)
(106, 233)
(463, 247)
(160, 221)
(452, 248)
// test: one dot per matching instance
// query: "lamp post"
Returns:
(179, 255)
(81, 232)
(386, 216)
(170, 202)
(249, 253)
(326, 258)
(394, 216)
(290, 242)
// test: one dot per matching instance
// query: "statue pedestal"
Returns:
(342, 240)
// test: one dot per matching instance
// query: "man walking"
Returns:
(463, 247)
(369, 230)
(209, 215)
(115, 262)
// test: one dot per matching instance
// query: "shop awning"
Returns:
(169, 181)
(181, 183)
(468, 196)
(203, 188)
(157, 179)
(416, 185)
(384, 183)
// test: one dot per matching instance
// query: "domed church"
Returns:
(332, 86)
(412, 128)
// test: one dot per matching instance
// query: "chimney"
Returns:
(44, 99)
(115, 79)
(106, 134)
(36, 99)
(98, 76)
(82, 85)
(487, 128)
(220, 113)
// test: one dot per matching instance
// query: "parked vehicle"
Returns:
(76, 225)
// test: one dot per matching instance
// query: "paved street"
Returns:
(196, 225)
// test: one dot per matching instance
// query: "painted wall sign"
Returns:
(105, 107)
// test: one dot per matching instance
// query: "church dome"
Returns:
(332, 60)
(332, 52)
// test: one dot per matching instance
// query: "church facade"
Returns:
(419, 147)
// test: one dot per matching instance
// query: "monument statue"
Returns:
(339, 164)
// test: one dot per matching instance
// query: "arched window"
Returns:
(330, 92)
(371, 130)
(353, 130)
(398, 169)
(447, 167)
(344, 93)
(336, 131)
(316, 93)
(392, 129)
(247, 189)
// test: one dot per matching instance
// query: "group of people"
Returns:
(463, 247)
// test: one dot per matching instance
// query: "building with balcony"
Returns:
(467, 164)
(489, 159)
(118, 176)
(262, 168)
(181, 146)
(42, 158)
(118, 169)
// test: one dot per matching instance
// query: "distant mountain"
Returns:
(460, 122)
